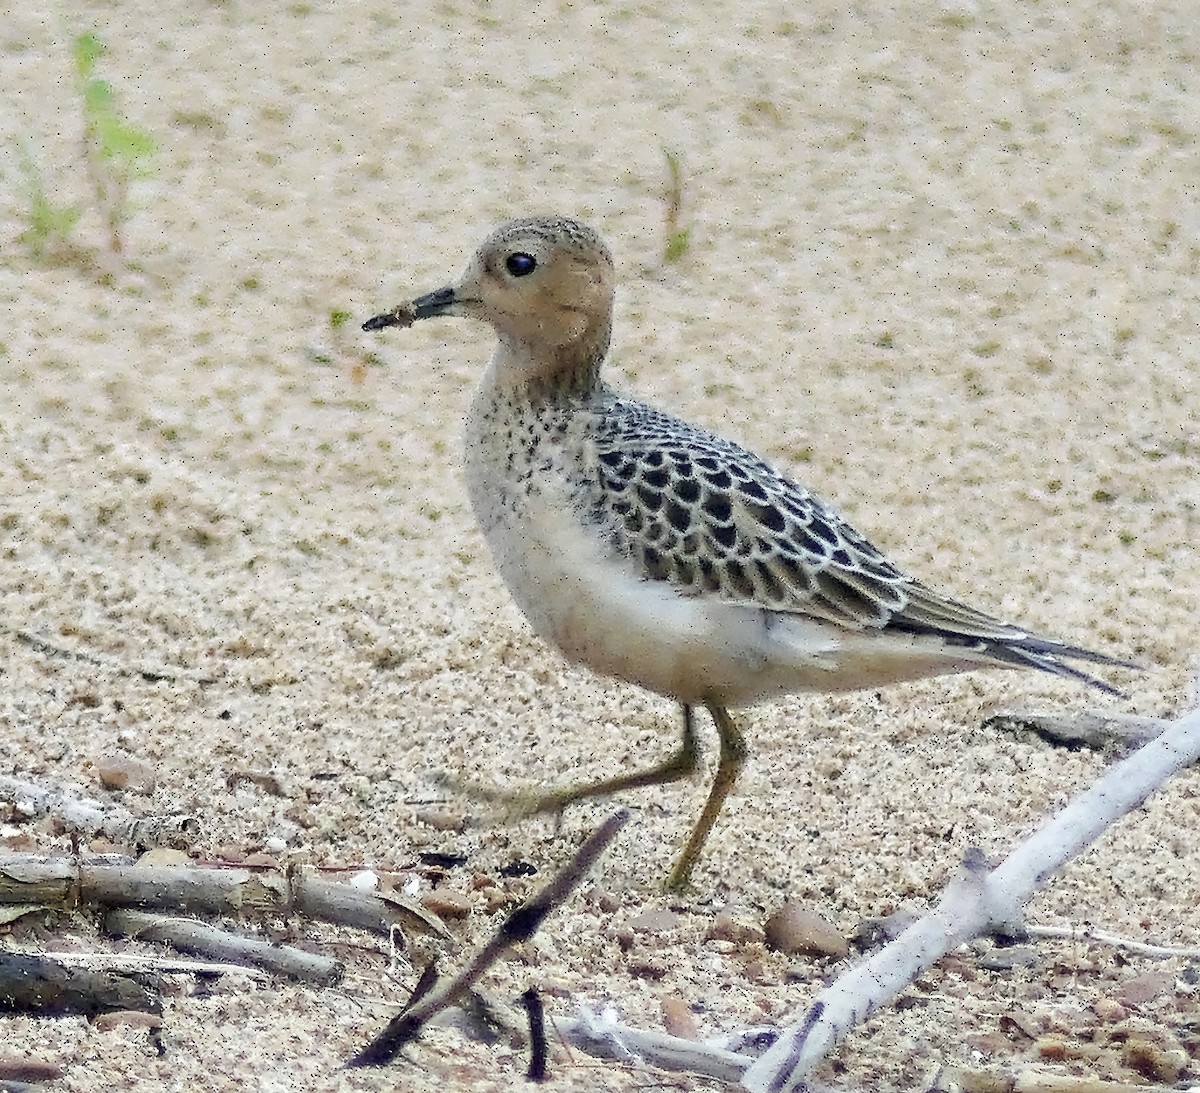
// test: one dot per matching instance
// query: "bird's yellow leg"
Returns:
(680, 764)
(733, 753)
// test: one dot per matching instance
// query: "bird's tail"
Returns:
(999, 642)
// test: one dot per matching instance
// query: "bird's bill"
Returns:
(439, 302)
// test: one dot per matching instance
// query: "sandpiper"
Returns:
(654, 551)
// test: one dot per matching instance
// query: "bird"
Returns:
(654, 551)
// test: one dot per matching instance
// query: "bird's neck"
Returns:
(543, 373)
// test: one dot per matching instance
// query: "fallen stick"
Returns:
(190, 936)
(90, 818)
(58, 882)
(46, 988)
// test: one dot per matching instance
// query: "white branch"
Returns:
(977, 902)
(602, 1035)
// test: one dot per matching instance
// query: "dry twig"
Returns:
(190, 936)
(150, 675)
(90, 818)
(520, 926)
(57, 882)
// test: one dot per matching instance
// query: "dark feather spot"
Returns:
(708, 574)
(768, 582)
(657, 478)
(678, 517)
(736, 576)
(719, 480)
(689, 545)
(850, 601)
(718, 507)
(822, 529)
(767, 515)
(653, 459)
(612, 459)
(724, 535)
(652, 499)
(656, 569)
(814, 546)
(750, 488)
(688, 491)
(795, 574)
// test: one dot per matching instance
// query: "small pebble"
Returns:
(735, 926)
(678, 1018)
(260, 860)
(125, 772)
(655, 921)
(446, 903)
(795, 930)
(1053, 1048)
(1145, 987)
(105, 1022)
(18, 1069)
(442, 819)
(1109, 1011)
(604, 901)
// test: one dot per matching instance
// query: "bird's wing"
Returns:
(691, 508)
(694, 509)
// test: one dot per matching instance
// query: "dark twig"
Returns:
(425, 983)
(150, 675)
(520, 926)
(532, 1001)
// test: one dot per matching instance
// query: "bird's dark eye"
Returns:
(520, 264)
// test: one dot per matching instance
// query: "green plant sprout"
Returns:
(678, 237)
(49, 225)
(116, 152)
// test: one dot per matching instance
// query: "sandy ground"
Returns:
(943, 266)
